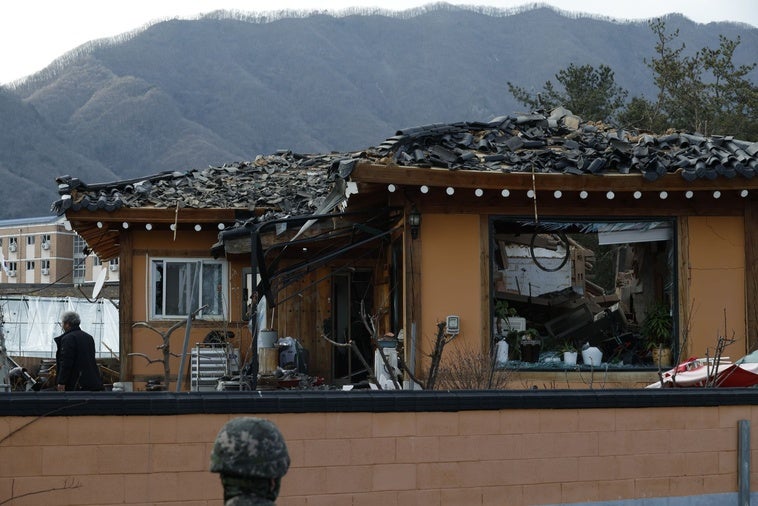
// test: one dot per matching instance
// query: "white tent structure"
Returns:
(31, 323)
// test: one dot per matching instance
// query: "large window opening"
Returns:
(604, 289)
(181, 286)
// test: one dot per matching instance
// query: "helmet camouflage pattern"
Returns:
(250, 447)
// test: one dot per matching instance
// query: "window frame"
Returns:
(202, 315)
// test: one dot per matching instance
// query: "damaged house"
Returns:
(542, 232)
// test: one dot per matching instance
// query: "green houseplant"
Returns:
(656, 330)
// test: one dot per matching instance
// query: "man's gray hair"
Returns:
(72, 318)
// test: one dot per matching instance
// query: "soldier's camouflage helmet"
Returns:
(250, 447)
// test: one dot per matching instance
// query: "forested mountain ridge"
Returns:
(186, 94)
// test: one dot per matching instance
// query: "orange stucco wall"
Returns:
(515, 457)
(716, 276)
(148, 244)
(451, 279)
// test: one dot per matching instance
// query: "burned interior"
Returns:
(567, 284)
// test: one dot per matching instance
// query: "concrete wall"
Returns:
(511, 456)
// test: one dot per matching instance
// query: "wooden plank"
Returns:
(125, 307)
(751, 274)
(412, 294)
(154, 215)
(486, 279)
(684, 277)
(323, 350)
(400, 175)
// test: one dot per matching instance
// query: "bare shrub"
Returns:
(465, 369)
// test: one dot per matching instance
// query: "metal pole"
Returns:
(743, 462)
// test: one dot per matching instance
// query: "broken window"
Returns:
(181, 286)
(564, 284)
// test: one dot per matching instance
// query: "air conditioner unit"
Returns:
(113, 267)
(45, 271)
(12, 274)
(45, 245)
(12, 248)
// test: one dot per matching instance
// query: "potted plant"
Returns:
(569, 353)
(656, 329)
(530, 345)
(502, 313)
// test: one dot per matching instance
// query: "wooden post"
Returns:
(125, 310)
(751, 274)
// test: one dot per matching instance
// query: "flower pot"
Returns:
(530, 350)
(569, 357)
(501, 353)
(592, 356)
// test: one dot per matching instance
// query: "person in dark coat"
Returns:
(75, 359)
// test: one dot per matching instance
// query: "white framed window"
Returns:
(30, 265)
(179, 286)
(30, 240)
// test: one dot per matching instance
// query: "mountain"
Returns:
(184, 94)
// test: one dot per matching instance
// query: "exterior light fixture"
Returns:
(743, 193)
(198, 228)
(557, 194)
(99, 224)
(148, 226)
(391, 188)
(663, 195)
(530, 194)
(505, 193)
(424, 189)
(716, 194)
(689, 194)
(610, 195)
(638, 195)
(221, 226)
(478, 192)
(450, 190)
(414, 220)
(172, 226)
(583, 194)
(125, 225)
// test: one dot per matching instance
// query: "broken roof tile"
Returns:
(292, 183)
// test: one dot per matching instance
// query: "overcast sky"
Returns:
(33, 33)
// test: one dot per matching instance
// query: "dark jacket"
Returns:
(75, 361)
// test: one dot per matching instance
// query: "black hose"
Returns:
(542, 267)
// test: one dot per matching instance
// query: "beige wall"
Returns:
(193, 244)
(716, 276)
(514, 456)
(451, 279)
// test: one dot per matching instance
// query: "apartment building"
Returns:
(45, 250)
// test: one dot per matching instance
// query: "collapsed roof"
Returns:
(287, 184)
